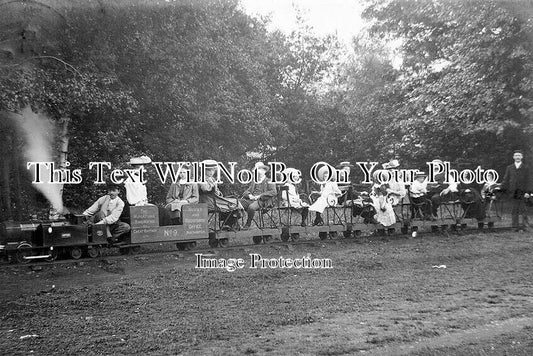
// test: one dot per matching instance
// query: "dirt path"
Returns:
(380, 298)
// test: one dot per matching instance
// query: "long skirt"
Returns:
(384, 211)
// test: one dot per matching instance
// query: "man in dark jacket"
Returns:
(517, 183)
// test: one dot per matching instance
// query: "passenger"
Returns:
(517, 183)
(363, 206)
(396, 191)
(107, 210)
(230, 209)
(420, 204)
(292, 199)
(344, 172)
(384, 211)
(329, 193)
(259, 195)
(180, 193)
(441, 192)
(472, 204)
(488, 192)
(490, 187)
(136, 194)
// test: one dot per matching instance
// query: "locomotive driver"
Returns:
(107, 210)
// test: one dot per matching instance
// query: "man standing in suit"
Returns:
(517, 182)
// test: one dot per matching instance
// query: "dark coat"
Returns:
(266, 189)
(517, 182)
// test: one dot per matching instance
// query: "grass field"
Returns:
(380, 297)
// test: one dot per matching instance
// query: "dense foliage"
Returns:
(191, 80)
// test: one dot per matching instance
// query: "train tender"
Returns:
(24, 242)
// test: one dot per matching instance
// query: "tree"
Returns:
(465, 83)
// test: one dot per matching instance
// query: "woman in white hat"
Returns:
(230, 209)
(396, 191)
(290, 197)
(259, 195)
(136, 193)
(329, 193)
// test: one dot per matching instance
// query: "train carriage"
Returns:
(24, 242)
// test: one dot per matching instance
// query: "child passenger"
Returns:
(329, 193)
(290, 198)
(417, 193)
(384, 211)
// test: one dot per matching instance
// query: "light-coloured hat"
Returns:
(140, 160)
(324, 169)
(209, 163)
(290, 170)
(185, 168)
(392, 164)
(261, 165)
(345, 164)
(376, 173)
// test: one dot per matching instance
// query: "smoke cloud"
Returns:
(38, 132)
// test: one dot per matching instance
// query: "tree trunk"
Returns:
(63, 156)
(16, 171)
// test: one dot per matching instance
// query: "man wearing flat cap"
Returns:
(259, 195)
(517, 183)
(107, 210)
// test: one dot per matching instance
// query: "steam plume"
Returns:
(38, 132)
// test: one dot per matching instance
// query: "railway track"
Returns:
(274, 241)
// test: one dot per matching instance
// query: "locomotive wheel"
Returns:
(267, 238)
(182, 246)
(53, 256)
(347, 234)
(333, 234)
(124, 250)
(24, 250)
(93, 252)
(257, 239)
(75, 253)
(221, 243)
(295, 236)
(323, 235)
(135, 250)
(357, 233)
